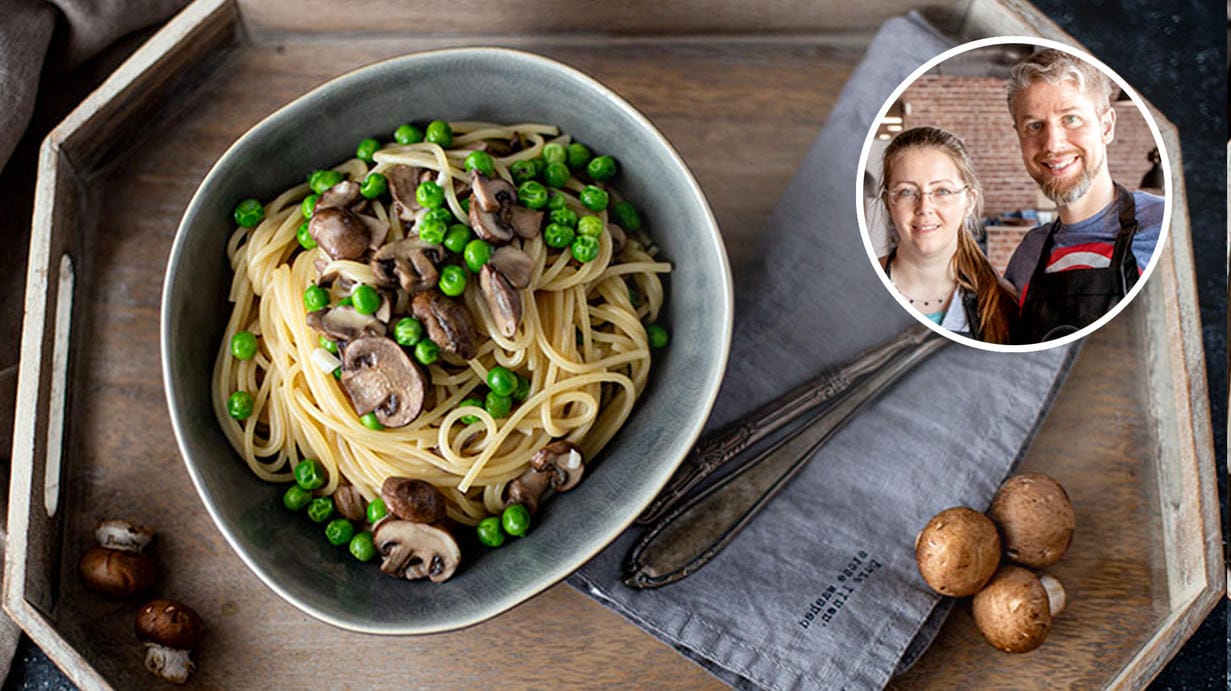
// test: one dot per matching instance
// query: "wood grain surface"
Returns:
(706, 94)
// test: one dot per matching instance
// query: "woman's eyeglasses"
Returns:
(941, 196)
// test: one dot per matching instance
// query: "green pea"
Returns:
(309, 474)
(365, 299)
(376, 510)
(489, 532)
(374, 186)
(304, 237)
(557, 200)
(482, 162)
(601, 168)
(523, 171)
(309, 205)
(331, 346)
(515, 520)
(346, 302)
(432, 231)
(366, 149)
(320, 509)
(457, 237)
(339, 532)
(590, 225)
(465, 204)
(243, 345)
(296, 497)
(556, 174)
(657, 335)
(439, 132)
(531, 193)
(522, 392)
(496, 405)
(501, 380)
(594, 198)
(626, 215)
(315, 298)
(584, 248)
(470, 419)
(249, 213)
(557, 236)
(407, 331)
(565, 217)
(555, 153)
(476, 254)
(337, 373)
(452, 280)
(361, 547)
(407, 134)
(426, 352)
(429, 194)
(321, 180)
(239, 405)
(578, 155)
(369, 420)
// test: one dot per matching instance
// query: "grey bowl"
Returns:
(321, 128)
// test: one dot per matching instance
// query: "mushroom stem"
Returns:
(1057, 599)
(172, 664)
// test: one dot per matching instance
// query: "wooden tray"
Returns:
(1129, 436)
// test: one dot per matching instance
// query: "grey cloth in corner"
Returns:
(821, 591)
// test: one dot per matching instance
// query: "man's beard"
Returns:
(1066, 190)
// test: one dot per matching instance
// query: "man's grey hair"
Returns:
(1056, 66)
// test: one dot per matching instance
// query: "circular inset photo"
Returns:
(1015, 194)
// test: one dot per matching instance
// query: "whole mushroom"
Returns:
(1014, 611)
(957, 551)
(117, 566)
(1035, 519)
(170, 631)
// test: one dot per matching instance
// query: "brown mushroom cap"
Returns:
(340, 195)
(380, 378)
(169, 623)
(339, 233)
(413, 500)
(116, 573)
(1035, 518)
(349, 502)
(448, 323)
(416, 550)
(957, 551)
(1014, 610)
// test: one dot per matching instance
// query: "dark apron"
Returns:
(1058, 304)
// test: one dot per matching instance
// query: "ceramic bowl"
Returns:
(322, 128)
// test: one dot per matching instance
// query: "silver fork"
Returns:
(685, 533)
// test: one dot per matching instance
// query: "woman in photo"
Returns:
(935, 201)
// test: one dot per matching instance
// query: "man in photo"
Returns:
(1071, 272)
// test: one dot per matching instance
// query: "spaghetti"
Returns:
(581, 343)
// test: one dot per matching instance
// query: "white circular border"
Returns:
(1167, 194)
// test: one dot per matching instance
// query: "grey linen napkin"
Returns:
(821, 589)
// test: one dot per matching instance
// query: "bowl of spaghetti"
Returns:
(413, 331)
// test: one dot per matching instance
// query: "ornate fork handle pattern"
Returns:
(717, 450)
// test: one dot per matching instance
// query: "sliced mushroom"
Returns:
(527, 489)
(378, 230)
(345, 324)
(413, 500)
(491, 208)
(381, 379)
(526, 222)
(503, 301)
(448, 323)
(340, 196)
(403, 181)
(563, 460)
(407, 263)
(349, 502)
(514, 264)
(339, 233)
(170, 631)
(416, 550)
